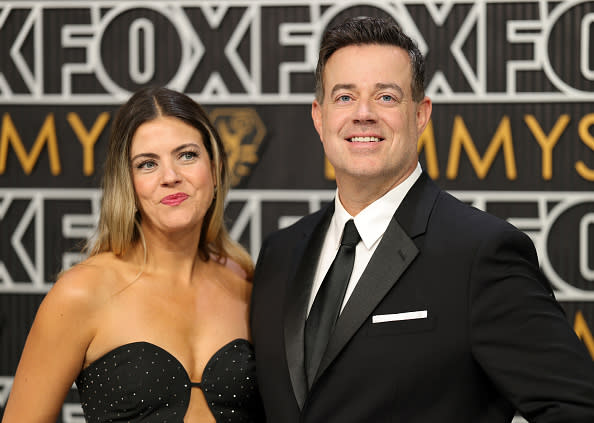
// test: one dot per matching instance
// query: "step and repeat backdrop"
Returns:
(512, 130)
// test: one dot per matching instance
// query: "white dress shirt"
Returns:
(371, 224)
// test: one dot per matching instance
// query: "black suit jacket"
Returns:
(494, 339)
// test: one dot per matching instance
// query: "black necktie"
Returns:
(326, 306)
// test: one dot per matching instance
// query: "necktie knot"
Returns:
(350, 235)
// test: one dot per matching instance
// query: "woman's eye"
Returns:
(146, 165)
(188, 155)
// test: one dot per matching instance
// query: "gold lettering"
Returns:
(501, 139)
(587, 138)
(427, 143)
(88, 139)
(47, 134)
(583, 332)
(547, 143)
(329, 172)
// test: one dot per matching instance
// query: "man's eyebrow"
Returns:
(339, 87)
(378, 86)
(393, 86)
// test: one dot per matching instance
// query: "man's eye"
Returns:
(387, 98)
(344, 98)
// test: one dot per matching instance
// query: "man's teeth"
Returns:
(365, 139)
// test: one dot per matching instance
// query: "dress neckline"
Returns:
(229, 344)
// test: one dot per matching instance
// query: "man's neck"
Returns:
(356, 193)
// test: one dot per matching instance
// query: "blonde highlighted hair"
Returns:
(119, 221)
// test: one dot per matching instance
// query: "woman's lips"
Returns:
(174, 199)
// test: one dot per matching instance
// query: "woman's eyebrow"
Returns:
(148, 155)
(184, 146)
(175, 150)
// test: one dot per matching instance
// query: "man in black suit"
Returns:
(445, 316)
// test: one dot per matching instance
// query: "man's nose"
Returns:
(365, 111)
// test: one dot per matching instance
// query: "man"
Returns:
(445, 316)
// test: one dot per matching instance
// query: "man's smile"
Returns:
(365, 139)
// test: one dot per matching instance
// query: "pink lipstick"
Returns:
(174, 199)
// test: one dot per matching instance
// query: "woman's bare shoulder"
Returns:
(73, 306)
(234, 278)
(234, 267)
(90, 281)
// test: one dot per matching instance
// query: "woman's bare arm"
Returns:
(54, 351)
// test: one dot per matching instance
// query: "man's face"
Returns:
(368, 122)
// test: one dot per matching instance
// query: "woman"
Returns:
(153, 326)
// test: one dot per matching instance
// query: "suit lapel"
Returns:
(307, 254)
(392, 257)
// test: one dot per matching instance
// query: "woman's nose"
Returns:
(170, 175)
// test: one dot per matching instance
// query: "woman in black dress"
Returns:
(153, 326)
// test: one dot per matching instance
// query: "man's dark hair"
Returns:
(369, 30)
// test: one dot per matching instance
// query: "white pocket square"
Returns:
(409, 315)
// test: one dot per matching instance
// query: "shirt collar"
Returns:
(374, 219)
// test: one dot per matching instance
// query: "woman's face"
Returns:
(172, 175)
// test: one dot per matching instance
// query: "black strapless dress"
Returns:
(141, 381)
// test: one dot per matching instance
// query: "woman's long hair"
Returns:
(119, 221)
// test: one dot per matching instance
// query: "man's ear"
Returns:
(423, 114)
(316, 116)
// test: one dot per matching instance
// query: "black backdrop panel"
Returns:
(512, 129)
